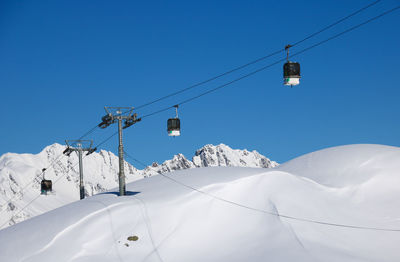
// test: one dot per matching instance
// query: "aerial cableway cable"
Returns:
(258, 59)
(335, 23)
(272, 64)
(134, 159)
(88, 132)
(270, 212)
(107, 139)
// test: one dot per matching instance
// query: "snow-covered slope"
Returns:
(308, 209)
(20, 175)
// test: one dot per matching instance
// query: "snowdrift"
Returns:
(337, 204)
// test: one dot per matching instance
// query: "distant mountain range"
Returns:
(20, 175)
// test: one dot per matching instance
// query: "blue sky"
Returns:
(61, 62)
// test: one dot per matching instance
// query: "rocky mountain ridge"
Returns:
(211, 155)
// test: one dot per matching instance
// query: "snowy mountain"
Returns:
(211, 155)
(20, 175)
(338, 204)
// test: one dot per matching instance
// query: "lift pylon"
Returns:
(118, 114)
(80, 146)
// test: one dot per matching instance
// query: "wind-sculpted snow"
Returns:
(20, 176)
(308, 209)
(346, 165)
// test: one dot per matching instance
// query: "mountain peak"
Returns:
(223, 155)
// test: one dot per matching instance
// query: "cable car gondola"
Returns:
(174, 124)
(291, 71)
(46, 185)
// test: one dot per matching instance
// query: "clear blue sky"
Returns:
(61, 62)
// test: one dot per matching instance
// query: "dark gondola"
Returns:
(291, 71)
(46, 185)
(174, 125)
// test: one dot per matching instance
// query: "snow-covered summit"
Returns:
(20, 175)
(288, 213)
(212, 155)
(223, 155)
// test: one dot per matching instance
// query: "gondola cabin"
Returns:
(174, 127)
(46, 186)
(291, 73)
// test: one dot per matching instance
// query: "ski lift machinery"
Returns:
(174, 124)
(46, 185)
(291, 71)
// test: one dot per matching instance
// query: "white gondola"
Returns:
(174, 125)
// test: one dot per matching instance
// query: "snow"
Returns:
(20, 175)
(230, 214)
(223, 155)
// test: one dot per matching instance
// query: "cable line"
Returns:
(348, 30)
(107, 139)
(211, 79)
(258, 59)
(88, 132)
(335, 23)
(274, 63)
(136, 160)
(215, 89)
